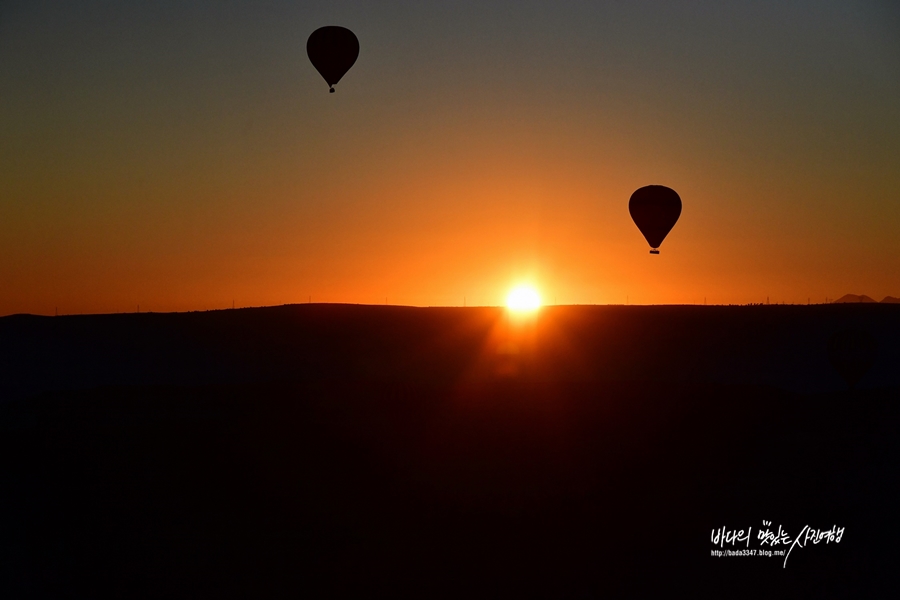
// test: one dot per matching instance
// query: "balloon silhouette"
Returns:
(852, 354)
(332, 50)
(655, 209)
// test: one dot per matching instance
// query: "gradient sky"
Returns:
(183, 154)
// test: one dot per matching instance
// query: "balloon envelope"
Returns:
(332, 50)
(655, 209)
(852, 354)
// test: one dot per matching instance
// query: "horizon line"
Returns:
(491, 306)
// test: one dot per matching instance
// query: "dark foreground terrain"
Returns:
(329, 451)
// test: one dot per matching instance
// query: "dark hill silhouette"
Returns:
(890, 300)
(852, 354)
(783, 346)
(360, 451)
(353, 489)
(848, 298)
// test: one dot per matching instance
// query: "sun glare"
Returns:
(523, 298)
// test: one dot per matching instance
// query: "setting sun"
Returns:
(523, 298)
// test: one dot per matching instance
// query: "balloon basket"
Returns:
(654, 252)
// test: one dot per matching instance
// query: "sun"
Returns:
(523, 298)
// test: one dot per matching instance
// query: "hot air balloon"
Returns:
(655, 209)
(852, 352)
(332, 50)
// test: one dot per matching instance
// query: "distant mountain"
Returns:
(890, 300)
(848, 298)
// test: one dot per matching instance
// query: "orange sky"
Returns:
(193, 158)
